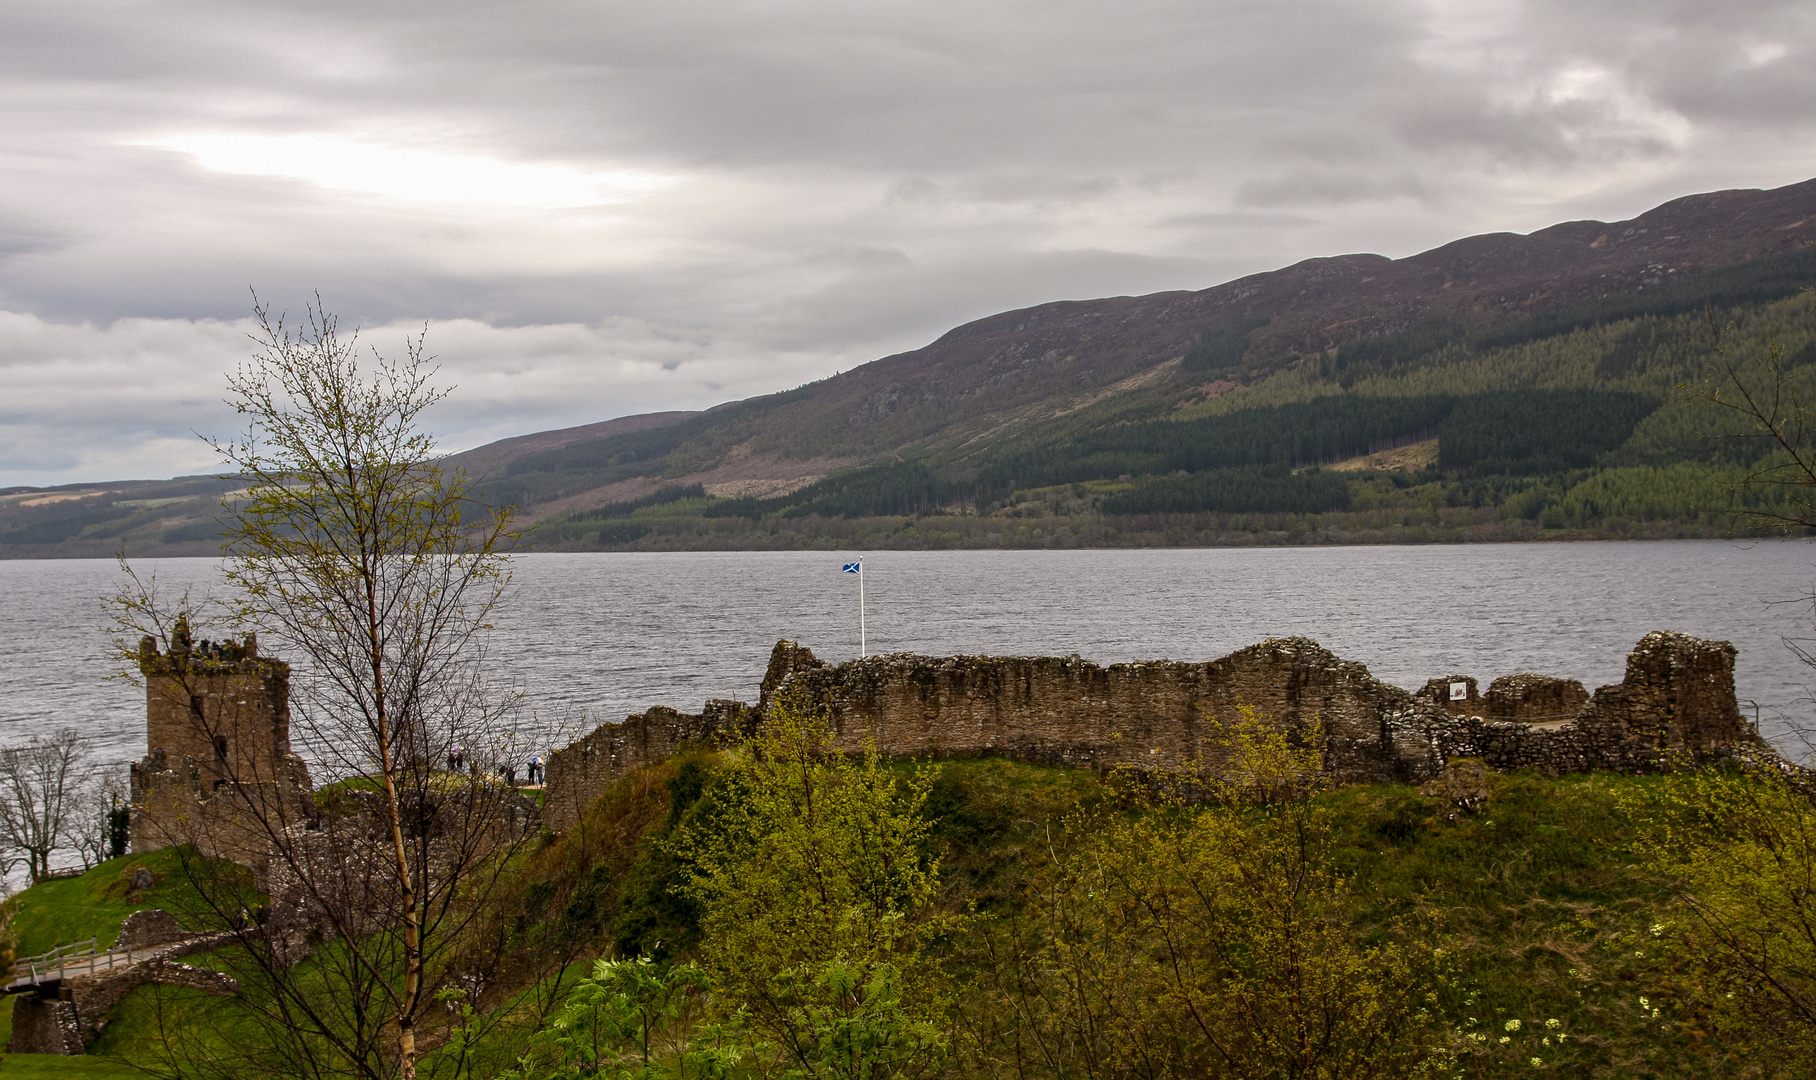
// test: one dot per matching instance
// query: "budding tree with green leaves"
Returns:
(816, 893)
(1209, 936)
(355, 555)
(1738, 847)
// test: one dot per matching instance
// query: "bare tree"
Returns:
(40, 797)
(98, 824)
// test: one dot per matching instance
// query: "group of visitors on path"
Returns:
(536, 768)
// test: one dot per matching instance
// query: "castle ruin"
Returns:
(218, 771)
(1677, 698)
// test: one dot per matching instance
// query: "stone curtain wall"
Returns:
(1677, 697)
(68, 1019)
(1069, 711)
(581, 771)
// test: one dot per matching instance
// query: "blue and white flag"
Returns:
(854, 568)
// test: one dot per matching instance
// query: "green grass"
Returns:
(152, 1021)
(55, 1067)
(67, 910)
(991, 819)
(1534, 894)
(59, 912)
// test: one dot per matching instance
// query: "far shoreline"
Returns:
(824, 544)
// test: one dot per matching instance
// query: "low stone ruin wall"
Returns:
(1677, 696)
(580, 772)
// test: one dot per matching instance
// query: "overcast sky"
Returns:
(611, 208)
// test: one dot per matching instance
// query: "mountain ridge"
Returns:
(1020, 358)
(1027, 399)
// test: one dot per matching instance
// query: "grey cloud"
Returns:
(861, 258)
(22, 236)
(849, 179)
(1237, 219)
(903, 300)
(1039, 188)
(1333, 187)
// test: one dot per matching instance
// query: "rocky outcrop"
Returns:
(150, 927)
(1677, 699)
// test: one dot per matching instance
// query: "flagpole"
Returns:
(863, 647)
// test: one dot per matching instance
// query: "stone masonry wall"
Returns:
(73, 1015)
(1069, 711)
(227, 708)
(44, 1025)
(65, 1016)
(1677, 697)
(218, 768)
(580, 772)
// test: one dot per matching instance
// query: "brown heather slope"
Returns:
(1481, 281)
(494, 456)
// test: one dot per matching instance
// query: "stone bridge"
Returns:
(62, 998)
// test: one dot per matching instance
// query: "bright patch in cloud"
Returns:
(1765, 52)
(415, 175)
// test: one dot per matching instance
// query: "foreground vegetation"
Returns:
(769, 911)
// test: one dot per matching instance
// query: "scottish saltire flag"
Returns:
(854, 568)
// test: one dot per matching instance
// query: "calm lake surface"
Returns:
(592, 637)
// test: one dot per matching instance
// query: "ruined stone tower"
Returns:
(218, 772)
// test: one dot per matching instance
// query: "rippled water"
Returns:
(589, 637)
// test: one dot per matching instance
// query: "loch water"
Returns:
(587, 638)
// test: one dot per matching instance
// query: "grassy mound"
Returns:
(94, 905)
(58, 912)
(55, 1067)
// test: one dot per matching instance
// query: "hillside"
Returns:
(1529, 385)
